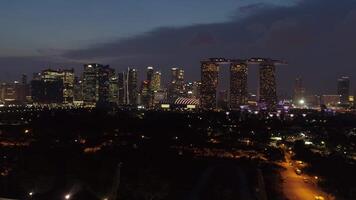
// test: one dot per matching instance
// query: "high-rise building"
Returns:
(176, 88)
(78, 89)
(155, 83)
(209, 83)
(132, 90)
(96, 84)
(114, 89)
(48, 89)
(90, 83)
(238, 84)
(343, 89)
(268, 90)
(150, 73)
(145, 94)
(299, 91)
(121, 81)
(68, 85)
(53, 86)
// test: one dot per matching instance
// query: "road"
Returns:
(299, 187)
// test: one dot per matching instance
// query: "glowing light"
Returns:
(67, 196)
(302, 102)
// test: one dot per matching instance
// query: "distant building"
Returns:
(268, 87)
(299, 91)
(53, 86)
(209, 84)
(238, 84)
(97, 80)
(122, 88)
(176, 87)
(155, 83)
(14, 93)
(330, 100)
(146, 99)
(132, 88)
(312, 100)
(343, 89)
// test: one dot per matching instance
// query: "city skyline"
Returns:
(258, 28)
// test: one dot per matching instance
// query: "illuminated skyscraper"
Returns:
(268, 91)
(209, 83)
(155, 83)
(90, 83)
(145, 94)
(238, 84)
(343, 89)
(96, 83)
(150, 73)
(132, 90)
(176, 88)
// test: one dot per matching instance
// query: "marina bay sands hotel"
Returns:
(238, 81)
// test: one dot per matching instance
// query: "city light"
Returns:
(67, 196)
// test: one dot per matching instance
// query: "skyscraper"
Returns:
(343, 89)
(132, 90)
(155, 83)
(209, 83)
(238, 84)
(145, 94)
(96, 83)
(121, 81)
(90, 83)
(150, 73)
(176, 88)
(299, 91)
(268, 91)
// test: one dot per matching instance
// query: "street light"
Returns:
(67, 196)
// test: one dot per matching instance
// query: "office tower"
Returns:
(121, 81)
(209, 83)
(47, 90)
(90, 83)
(176, 88)
(106, 76)
(78, 89)
(132, 90)
(96, 83)
(145, 94)
(155, 83)
(268, 91)
(114, 89)
(150, 73)
(238, 84)
(299, 91)
(53, 86)
(68, 85)
(343, 89)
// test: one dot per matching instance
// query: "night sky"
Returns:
(316, 37)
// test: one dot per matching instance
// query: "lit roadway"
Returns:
(299, 187)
